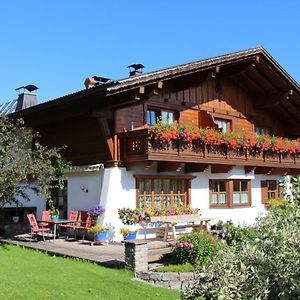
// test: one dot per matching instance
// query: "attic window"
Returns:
(223, 124)
(261, 130)
(154, 114)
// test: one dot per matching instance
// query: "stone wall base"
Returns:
(169, 279)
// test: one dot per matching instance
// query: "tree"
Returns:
(25, 164)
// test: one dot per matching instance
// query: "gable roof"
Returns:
(130, 83)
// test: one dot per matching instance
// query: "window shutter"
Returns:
(264, 191)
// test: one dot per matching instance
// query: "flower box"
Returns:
(238, 153)
(255, 154)
(271, 156)
(176, 218)
(215, 151)
(288, 157)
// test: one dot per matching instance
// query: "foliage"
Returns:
(165, 135)
(98, 228)
(266, 267)
(236, 234)
(126, 231)
(187, 267)
(70, 278)
(130, 216)
(25, 164)
(54, 211)
(196, 248)
(295, 188)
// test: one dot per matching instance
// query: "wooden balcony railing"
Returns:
(135, 146)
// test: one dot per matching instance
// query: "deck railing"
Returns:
(136, 146)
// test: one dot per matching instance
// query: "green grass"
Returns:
(29, 274)
(187, 267)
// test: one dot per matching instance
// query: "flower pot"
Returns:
(54, 217)
(131, 236)
(101, 236)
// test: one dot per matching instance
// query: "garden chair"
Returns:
(72, 216)
(35, 229)
(45, 217)
(84, 223)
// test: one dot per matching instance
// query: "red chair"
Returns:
(84, 223)
(35, 229)
(72, 216)
(46, 216)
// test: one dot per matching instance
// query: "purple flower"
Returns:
(96, 211)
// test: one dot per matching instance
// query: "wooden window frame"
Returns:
(227, 121)
(229, 194)
(265, 192)
(211, 193)
(186, 193)
(159, 110)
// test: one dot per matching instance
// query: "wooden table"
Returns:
(186, 221)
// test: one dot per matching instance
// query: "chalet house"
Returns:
(106, 130)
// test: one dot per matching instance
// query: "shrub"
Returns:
(236, 234)
(195, 248)
(266, 267)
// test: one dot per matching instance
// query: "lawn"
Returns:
(29, 274)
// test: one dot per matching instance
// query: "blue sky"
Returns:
(57, 44)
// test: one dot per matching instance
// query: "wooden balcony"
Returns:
(134, 147)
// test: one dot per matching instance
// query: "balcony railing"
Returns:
(135, 146)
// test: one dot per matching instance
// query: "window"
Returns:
(261, 131)
(154, 114)
(270, 189)
(162, 192)
(229, 193)
(240, 192)
(218, 192)
(223, 124)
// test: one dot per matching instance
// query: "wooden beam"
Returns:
(163, 166)
(264, 170)
(197, 168)
(220, 168)
(249, 169)
(158, 88)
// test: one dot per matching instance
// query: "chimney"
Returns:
(95, 81)
(26, 98)
(135, 69)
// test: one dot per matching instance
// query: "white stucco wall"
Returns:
(84, 190)
(243, 215)
(115, 188)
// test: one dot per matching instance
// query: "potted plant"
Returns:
(54, 212)
(95, 212)
(100, 233)
(128, 234)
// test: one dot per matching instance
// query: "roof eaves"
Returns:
(182, 69)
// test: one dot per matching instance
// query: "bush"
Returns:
(195, 248)
(266, 267)
(236, 234)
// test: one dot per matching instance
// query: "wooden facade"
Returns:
(108, 123)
